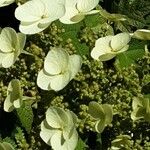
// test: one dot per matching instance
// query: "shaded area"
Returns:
(7, 17)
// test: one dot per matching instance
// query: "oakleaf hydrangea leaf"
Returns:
(25, 115)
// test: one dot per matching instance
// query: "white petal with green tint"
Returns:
(75, 62)
(137, 114)
(56, 61)
(86, 5)
(59, 144)
(119, 41)
(96, 110)
(6, 2)
(8, 38)
(100, 125)
(71, 142)
(17, 103)
(8, 61)
(56, 117)
(30, 11)
(58, 82)
(21, 41)
(142, 34)
(101, 48)
(77, 18)
(108, 113)
(56, 141)
(2, 56)
(8, 104)
(46, 132)
(43, 80)
(69, 14)
(137, 102)
(31, 28)
(54, 9)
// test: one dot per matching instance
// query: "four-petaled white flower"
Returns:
(11, 45)
(58, 129)
(108, 47)
(14, 96)
(6, 2)
(36, 15)
(103, 114)
(59, 69)
(141, 108)
(77, 9)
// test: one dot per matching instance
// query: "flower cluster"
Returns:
(93, 83)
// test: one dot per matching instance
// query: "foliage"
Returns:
(111, 85)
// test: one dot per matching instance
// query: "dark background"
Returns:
(7, 18)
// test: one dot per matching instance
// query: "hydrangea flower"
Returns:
(58, 129)
(11, 46)
(15, 96)
(108, 47)
(6, 146)
(103, 115)
(6, 2)
(59, 69)
(141, 34)
(77, 9)
(141, 109)
(36, 15)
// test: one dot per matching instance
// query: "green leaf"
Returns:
(94, 20)
(136, 50)
(69, 27)
(81, 145)
(82, 49)
(25, 115)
